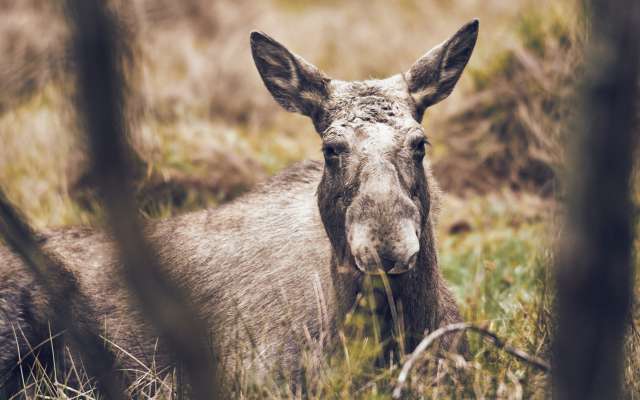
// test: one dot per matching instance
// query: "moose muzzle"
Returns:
(392, 249)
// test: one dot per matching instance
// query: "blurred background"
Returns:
(205, 130)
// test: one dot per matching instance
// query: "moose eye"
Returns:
(333, 150)
(418, 147)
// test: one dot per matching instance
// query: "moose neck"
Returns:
(418, 291)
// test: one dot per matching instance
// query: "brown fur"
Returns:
(269, 266)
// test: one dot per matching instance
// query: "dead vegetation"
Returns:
(197, 101)
(512, 128)
(206, 130)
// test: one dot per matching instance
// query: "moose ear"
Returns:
(432, 78)
(294, 83)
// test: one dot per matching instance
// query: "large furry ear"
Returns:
(296, 84)
(432, 78)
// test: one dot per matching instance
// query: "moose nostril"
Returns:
(398, 262)
(405, 259)
(404, 266)
(387, 261)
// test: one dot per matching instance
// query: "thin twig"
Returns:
(463, 326)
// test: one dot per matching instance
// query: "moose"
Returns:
(291, 255)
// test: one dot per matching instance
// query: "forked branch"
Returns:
(430, 339)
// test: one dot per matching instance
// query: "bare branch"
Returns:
(98, 50)
(65, 299)
(429, 340)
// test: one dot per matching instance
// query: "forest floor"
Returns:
(206, 131)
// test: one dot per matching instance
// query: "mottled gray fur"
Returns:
(288, 257)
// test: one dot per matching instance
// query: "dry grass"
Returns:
(206, 130)
(498, 271)
(512, 128)
(200, 110)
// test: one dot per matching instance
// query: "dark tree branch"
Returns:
(100, 85)
(593, 266)
(65, 299)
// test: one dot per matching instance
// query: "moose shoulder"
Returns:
(283, 264)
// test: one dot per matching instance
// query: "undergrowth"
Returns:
(210, 131)
(497, 269)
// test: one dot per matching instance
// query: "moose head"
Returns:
(373, 198)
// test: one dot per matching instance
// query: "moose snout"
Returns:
(393, 251)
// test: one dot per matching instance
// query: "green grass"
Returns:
(498, 272)
(498, 266)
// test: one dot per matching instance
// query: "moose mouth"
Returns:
(390, 249)
(386, 266)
